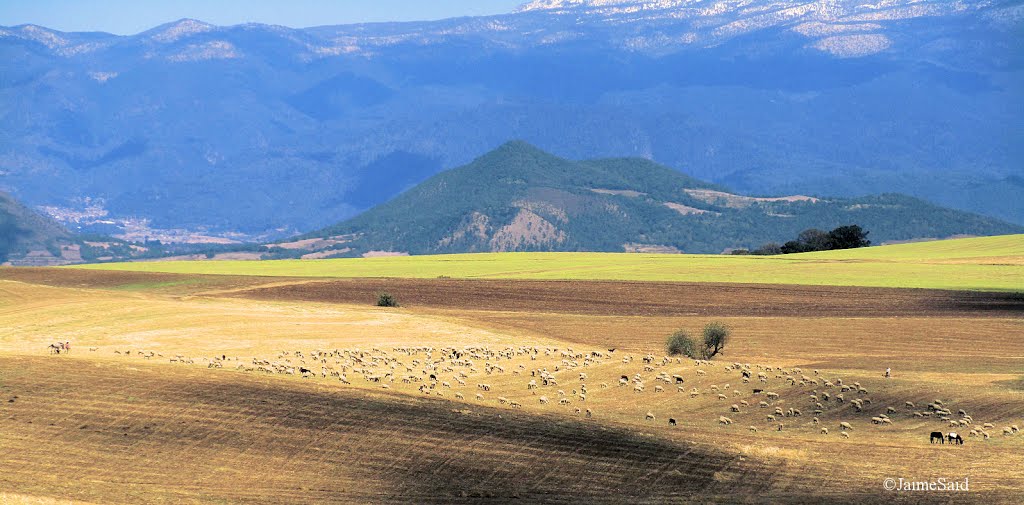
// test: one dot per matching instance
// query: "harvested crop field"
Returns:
(652, 299)
(574, 297)
(154, 434)
(191, 389)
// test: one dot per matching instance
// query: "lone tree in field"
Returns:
(386, 300)
(716, 335)
(848, 237)
(681, 343)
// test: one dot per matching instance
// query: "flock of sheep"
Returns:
(773, 398)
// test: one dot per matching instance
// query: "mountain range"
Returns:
(519, 198)
(191, 132)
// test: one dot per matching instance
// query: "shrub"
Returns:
(386, 300)
(716, 335)
(680, 342)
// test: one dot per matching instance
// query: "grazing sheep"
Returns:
(725, 421)
(649, 416)
(564, 401)
(753, 429)
(459, 396)
(890, 410)
(543, 399)
(502, 400)
(988, 426)
(824, 430)
(590, 413)
(722, 397)
(479, 396)
(515, 405)
(909, 405)
(815, 420)
(1007, 431)
(659, 389)
(770, 418)
(735, 408)
(844, 434)
(744, 403)
(845, 426)
(1014, 428)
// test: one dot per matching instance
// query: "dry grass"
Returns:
(106, 428)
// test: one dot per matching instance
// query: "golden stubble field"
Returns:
(112, 426)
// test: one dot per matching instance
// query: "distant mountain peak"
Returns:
(521, 198)
(762, 11)
(179, 29)
(45, 36)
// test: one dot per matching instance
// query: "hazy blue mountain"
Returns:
(519, 198)
(257, 131)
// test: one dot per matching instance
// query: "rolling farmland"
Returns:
(197, 388)
(986, 263)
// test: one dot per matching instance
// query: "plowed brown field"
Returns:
(110, 426)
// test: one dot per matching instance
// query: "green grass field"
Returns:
(987, 263)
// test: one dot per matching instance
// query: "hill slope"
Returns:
(27, 237)
(519, 198)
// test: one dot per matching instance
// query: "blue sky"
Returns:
(133, 16)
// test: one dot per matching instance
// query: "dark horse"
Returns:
(955, 438)
(937, 435)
